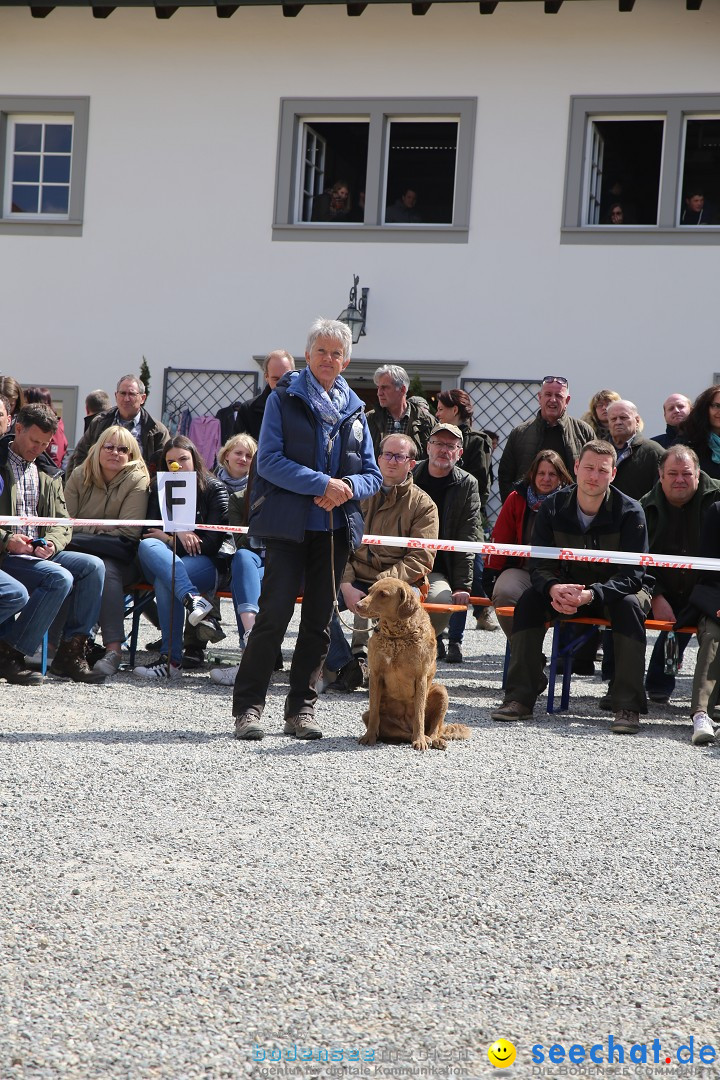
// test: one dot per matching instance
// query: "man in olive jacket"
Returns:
(36, 556)
(550, 429)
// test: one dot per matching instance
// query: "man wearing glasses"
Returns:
(130, 413)
(455, 493)
(400, 508)
(638, 459)
(551, 429)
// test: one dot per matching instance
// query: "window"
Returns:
(43, 146)
(374, 169)
(643, 170)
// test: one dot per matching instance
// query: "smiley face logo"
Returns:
(501, 1053)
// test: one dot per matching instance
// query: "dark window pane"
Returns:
(421, 172)
(55, 200)
(700, 203)
(24, 199)
(26, 167)
(28, 136)
(343, 149)
(625, 171)
(58, 138)
(56, 170)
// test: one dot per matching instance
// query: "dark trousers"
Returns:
(627, 619)
(290, 568)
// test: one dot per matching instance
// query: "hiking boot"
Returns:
(197, 608)
(454, 653)
(512, 710)
(606, 703)
(247, 725)
(580, 666)
(349, 677)
(13, 669)
(626, 722)
(159, 670)
(441, 653)
(71, 661)
(486, 620)
(109, 663)
(658, 697)
(224, 676)
(303, 725)
(703, 730)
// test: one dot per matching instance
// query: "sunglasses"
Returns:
(555, 378)
(113, 449)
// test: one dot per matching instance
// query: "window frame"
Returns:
(378, 112)
(674, 110)
(48, 108)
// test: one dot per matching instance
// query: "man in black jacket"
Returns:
(246, 417)
(455, 493)
(591, 514)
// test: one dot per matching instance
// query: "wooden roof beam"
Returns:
(355, 10)
(626, 5)
(226, 11)
(487, 7)
(552, 6)
(163, 11)
(41, 12)
(421, 8)
(693, 5)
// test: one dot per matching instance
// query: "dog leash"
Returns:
(336, 607)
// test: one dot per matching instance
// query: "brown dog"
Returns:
(405, 704)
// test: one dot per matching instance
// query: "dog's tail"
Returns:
(455, 731)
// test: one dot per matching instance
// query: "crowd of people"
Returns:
(308, 470)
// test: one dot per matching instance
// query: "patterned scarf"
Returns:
(328, 405)
(535, 500)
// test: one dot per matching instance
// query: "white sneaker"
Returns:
(224, 676)
(159, 670)
(197, 608)
(703, 731)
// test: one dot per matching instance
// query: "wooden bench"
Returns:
(566, 650)
(142, 593)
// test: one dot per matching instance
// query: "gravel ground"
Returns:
(177, 904)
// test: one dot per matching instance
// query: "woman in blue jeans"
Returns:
(196, 562)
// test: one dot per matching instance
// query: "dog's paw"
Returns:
(439, 743)
(423, 743)
(367, 739)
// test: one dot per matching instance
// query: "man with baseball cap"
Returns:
(455, 493)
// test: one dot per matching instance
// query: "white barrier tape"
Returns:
(524, 551)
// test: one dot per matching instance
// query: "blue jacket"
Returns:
(293, 466)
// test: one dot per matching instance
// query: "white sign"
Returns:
(177, 492)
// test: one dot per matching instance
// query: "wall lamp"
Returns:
(355, 314)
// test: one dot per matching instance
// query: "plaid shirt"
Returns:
(396, 427)
(27, 489)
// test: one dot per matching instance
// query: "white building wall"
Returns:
(177, 262)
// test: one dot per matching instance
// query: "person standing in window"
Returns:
(695, 212)
(335, 204)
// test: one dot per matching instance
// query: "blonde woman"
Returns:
(234, 461)
(112, 482)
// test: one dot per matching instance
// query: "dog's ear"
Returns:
(409, 604)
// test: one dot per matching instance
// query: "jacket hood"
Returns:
(44, 462)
